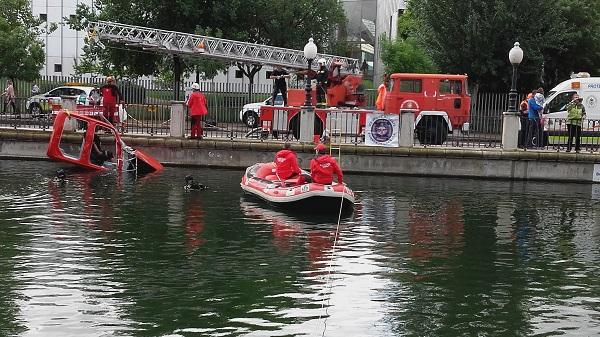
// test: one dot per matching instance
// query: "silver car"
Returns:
(41, 104)
(250, 112)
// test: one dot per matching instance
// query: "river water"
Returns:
(108, 255)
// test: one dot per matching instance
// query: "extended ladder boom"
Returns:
(206, 46)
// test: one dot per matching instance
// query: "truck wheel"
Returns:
(295, 126)
(251, 119)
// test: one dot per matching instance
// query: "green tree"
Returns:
(21, 52)
(474, 37)
(406, 56)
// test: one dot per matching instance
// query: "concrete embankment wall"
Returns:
(448, 162)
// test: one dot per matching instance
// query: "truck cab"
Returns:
(444, 103)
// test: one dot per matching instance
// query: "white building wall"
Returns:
(63, 46)
(386, 26)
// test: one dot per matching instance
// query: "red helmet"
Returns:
(320, 148)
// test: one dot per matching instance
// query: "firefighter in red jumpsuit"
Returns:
(197, 110)
(324, 166)
(111, 96)
(286, 163)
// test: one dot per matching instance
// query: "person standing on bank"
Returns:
(111, 96)
(324, 166)
(523, 118)
(381, 91)
(534, 129)
(321, 78)
(10, 97)
(280, 85)
(575, 116)
(197, 110)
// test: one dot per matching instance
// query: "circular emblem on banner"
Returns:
(382, 130)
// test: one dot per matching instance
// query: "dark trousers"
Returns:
(283, 91)
(574, 131)
(322, 93)
(534, 131)
(12, 103)
(523, 134)
(196, 130)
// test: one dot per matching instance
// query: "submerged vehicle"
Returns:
(261, 181)
(98, 147)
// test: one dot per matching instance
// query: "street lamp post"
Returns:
(515, 56)
(310, 52)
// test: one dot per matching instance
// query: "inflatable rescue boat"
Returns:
(260, 180)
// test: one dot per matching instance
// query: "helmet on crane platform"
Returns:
(322, 61)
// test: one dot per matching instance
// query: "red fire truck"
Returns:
(443, 105)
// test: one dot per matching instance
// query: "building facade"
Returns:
(64, 46)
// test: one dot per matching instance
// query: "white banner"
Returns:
(382, 129)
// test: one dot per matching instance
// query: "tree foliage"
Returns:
(276, 22)
(21, 52)
(474, 37)
(406, 56)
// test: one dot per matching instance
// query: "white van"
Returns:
(588, 88)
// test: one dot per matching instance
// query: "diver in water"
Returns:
(190, 184)
(60, 178)
(97, 155)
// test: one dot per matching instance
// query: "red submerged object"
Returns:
(260, 180)
(100, 147)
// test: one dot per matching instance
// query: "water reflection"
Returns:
(106, 255)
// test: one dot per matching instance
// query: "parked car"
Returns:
(250, 112)
(40, 104)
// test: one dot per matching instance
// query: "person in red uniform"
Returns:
(286, 163)
(324, 166)
(197, 109)
(111, 96)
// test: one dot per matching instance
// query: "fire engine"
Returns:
(443, 105)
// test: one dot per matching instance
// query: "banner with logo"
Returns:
(382, 129)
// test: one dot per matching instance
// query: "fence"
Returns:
(148, 107)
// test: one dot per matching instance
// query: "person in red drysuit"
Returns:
(324, 166)
(111, 96)
(197, 109)
(286, 163)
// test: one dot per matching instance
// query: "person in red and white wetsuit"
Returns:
(286, 163)
(324, 166)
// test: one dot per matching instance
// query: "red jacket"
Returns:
(197, 104)
(286, 164)
(111, 94)
(322, 169)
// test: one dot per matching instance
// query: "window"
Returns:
(56, 93)
(268, 73)
(44, 17)
(58, 68)
(450, 87)
(239, 74)
(410, 85)
(559, 102)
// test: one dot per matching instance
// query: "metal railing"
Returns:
(148, 110)
(554, 133)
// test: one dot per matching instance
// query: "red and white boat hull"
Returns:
(260, 181)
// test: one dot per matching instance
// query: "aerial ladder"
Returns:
(177, 43)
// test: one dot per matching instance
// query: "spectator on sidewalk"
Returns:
(9, 97)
